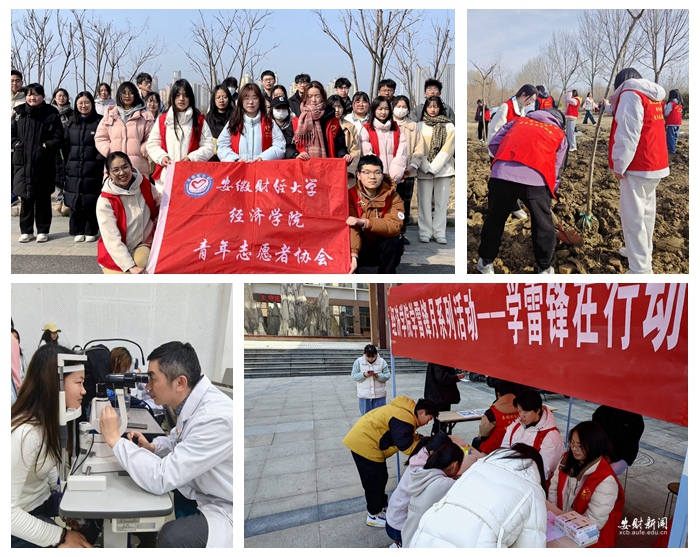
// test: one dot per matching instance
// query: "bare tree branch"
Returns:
(443, 43)
(666, 34)
(345, 44)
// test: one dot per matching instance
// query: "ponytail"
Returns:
(448, 453)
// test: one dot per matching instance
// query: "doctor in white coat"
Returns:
(196, 458)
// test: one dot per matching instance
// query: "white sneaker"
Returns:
(547, 271)
(41, 238)
(79, 238)
(519, 214)
(24, 238)
(394, 546)
(90, 238)
(485, 268)
(623, 251)
(378, 521)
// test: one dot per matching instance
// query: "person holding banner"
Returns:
(127, 212)
(181, 134)
(250, 135)
(317, 132)
(376, 214)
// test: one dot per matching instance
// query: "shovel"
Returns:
(569, 237)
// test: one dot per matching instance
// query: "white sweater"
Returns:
(30, 487)
(178, 146)
(250, 143)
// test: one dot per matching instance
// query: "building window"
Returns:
(364, 321)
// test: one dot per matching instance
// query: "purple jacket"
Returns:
(519, 173)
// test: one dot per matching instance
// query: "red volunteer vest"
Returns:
(266, 131)
(651, 153)
(493, 441)
(332, 128)
(572, 109)
(608, 535)
(675, 117)
(533, 144)
(487, 115)
(539, 438)
(103, 256)
(545, 103)
(358, 206)
(511, 114)
(374, 140)
(194, 139)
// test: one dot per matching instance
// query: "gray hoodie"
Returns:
(427, 488)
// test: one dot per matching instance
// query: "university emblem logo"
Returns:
(198, 185)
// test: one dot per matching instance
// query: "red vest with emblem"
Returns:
(265, 130)
(103, 256)
(332, 127)
(572, 109)
(608, 535)
(533, 144)
(358, 205)
(651, 153)
(374, 140)
(511, 114)
(675, 117)
(194, 139)
(545, 102)
(493, 441)
(539, 438)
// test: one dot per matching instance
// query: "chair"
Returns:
(672, 492)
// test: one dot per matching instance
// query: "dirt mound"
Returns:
(601, 242)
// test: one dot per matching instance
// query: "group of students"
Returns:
(529, 151)
(498, 500)
(116, 151)
(195, 460)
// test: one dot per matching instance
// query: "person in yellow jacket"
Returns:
(378, 435)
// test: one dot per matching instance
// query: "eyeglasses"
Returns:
(127, 93)
(371, 173)
(121, 170)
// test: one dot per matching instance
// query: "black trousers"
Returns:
(39, 208)
(538, 199)
(405, 190)
(83, 220)
(483, 133)
(374, 477)
(384, 253)
(438, 426)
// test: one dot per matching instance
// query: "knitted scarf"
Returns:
(309, 133)
(439, 126)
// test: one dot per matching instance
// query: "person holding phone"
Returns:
(371, 373)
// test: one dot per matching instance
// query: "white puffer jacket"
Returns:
(494, 504)
(374, 386)
(552, 446)
(178, 145)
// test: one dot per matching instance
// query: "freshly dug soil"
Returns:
(601, 242)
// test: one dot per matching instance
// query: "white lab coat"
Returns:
(196, 458)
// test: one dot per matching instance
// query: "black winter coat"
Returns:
(84, 163)
(441, 384)
(66, 115)
(37, 134)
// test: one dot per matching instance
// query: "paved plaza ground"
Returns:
(301, 487)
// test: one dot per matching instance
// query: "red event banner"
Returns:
(265, 217)
(623, 345)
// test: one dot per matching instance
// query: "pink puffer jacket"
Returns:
(130, 138)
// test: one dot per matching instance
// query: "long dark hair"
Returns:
(235, 124)
(77, 117)
(521, 451)
(436, 100)
(624, 75)
(443, 457)
(431, 444)
(376, 102)
(675, 95)
(315, 85)
(178, 86)
(594, 443)
(46, 337)
(37, 401)
(134, 91)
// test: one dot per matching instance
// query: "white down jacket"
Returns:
(494, 504)
(374, 386)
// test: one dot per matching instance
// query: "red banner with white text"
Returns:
(265, 217)
(622, 345)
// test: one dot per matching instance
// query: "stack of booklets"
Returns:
(581, 530)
